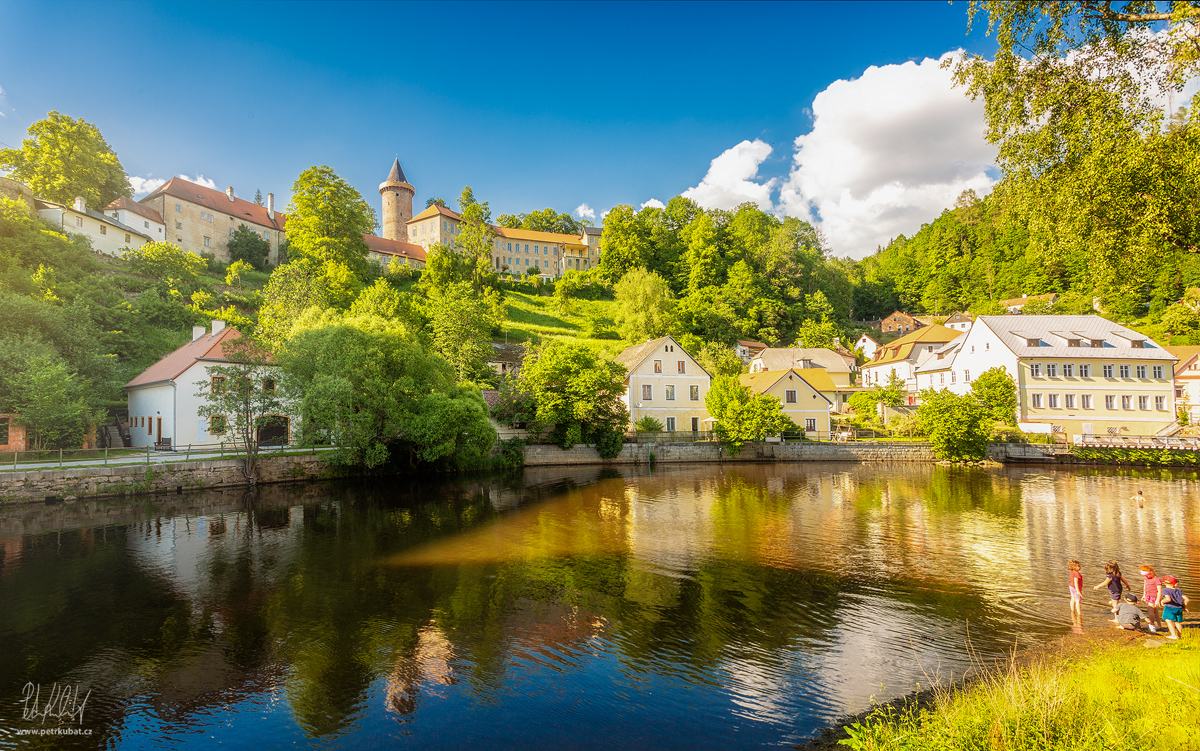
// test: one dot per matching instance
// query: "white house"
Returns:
(867, 346)
(902, 356)
(959, 322)
(1075, 375)
(165, 400)
(142, 218)
(108, 233)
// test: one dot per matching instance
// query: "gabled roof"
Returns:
(210, 347)
(1016, 331)
(41, 203)
(394, 247)
(868, 338)
(218, 201)
(1014, 302)
(397, 173)
(127, 203)
(760, 383)
(751, 345)
(940, 359)
(1185, 355)
(593, 231)
(782, 358)
(529, 234)
(433, 210)
(632, 357)
(512, 353)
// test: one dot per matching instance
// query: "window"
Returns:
(103, 229)
(681, 366)
(1085, 371)
(1160, 403)
(987, 346)
(526, 248)
(266, 235)
(127, 238)
(1069, 401)
(952, 372)
(1127, 402)
(670, 395)
(1052, 401)
(694, 393)
(1035, 369)
(178, 225)
(231, 231)
(941, 378)
(966, 376)
(78, 221)
(810, 423)
(218, 384)
(1085, 401)
(178, 208)
(146, 225)
(1143, 402)
(1158, 372)
(1037, 401)
(149, 426)
(789, 396)
(206, 216)
(1124, 370)
(1141, 371)
(1107, 371)
(1110, 402)
(1068, 370)
(658, 366)
(647, 392)
(268, 384)
(1052, 370)
(216, 425)
(670, 425)
(208, 242)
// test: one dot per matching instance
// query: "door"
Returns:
(695, 424)
(158, 432)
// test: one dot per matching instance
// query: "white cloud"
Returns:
(654, 203)
(2, 102)
(888, 151)
(200, 180)
(730, 179)
(583, 211)
(143, 185)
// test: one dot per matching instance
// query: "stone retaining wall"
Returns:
(667, 453)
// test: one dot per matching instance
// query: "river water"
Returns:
(713, 607)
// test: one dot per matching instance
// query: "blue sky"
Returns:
(533, 105)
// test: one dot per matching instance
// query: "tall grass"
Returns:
(1122, 697)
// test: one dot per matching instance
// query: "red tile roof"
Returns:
(434, 210)
(207, 347)
(218, 201)
(124, 202)
(394, 248)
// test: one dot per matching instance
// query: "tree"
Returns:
(818, 334)
(327, 218)
(167, 263)
(578, 393)
(893, 393)
(435, 202)
(258, 198)
(233, 275)
(958, 426)
(299, 286)
(249, 246)
(63, 158)
(719, 359)
(741, 416)
(865, 403)
(242, 398)
(997, 392)
(644, 305)
(462, 323)
(476, 240)
(649, 424)
(546, 220)
(53, 406)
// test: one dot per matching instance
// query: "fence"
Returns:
(11, 460)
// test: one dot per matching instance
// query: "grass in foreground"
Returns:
(1116, 697)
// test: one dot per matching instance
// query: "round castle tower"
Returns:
(397, 197)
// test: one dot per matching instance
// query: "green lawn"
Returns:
(533, 318)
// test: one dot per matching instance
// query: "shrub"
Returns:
(958, 426)
(649, 424)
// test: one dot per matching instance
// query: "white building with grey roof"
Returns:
(1076, 375)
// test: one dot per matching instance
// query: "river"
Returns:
(707, 607)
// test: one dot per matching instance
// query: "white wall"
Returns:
(129, 218)
(150, 403)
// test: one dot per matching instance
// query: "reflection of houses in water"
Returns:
(421, 674)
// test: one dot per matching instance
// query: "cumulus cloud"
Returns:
(731, 179)
(200, 180)
(143, 185)
(888, 151)
(654, 203)
(583, 211)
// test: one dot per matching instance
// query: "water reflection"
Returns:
(706, 608)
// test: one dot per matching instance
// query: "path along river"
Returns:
(694, 608)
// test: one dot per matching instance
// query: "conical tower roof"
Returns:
(397, 173)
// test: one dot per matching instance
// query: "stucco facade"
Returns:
(800, 401)
(108, 234)
(665, 382)
(202, 220)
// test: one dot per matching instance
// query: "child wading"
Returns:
(1173, 602)
(1113, 582)
(1151, 590)
(1076, 590)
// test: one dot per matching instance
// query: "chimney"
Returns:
(197, 332)
(79, 205)
(218, 326)
(229, 192)
(271, 206)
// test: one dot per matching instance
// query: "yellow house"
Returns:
(800, 400)
(664, 382)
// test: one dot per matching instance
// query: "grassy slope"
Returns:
(534, 318)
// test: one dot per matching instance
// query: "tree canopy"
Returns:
(63, 158)
(327, 218)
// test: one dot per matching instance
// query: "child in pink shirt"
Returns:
(1151, 591)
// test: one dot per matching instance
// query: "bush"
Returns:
(167, 263)
(958, 426)
(511, 454)
(609, 443)
(649, 424)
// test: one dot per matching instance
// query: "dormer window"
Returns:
(1137, 343)
(1033, 342)
(1097, 342)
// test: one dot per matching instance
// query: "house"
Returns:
(899, 321)
(506, 359)
(200, 219)
(1017, 304)
(867, 346)
(959, 322)
(901, 357)
(748, 350)
(1187, 381)
(664, 382)
(799, 399)
(383, 251)
(164, 400)
(109, 235)
(12, 434)
(1077, 375)
(839, 370)
(133, 214)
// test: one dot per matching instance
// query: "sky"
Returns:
(836, 113)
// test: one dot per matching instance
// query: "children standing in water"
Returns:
(1139, 499)
(1151, 591)
(1173, 602)
(1076, 589)
(1113, 581)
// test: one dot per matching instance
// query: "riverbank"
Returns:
(1101, 689)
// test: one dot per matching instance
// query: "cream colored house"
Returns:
(109, 235)
(382, 252)
(665, 382)
(133, 214)
(200, 219)
(835, 375)
(799, 399)
(1075, 375)
(1187, 381)
(902, 355)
